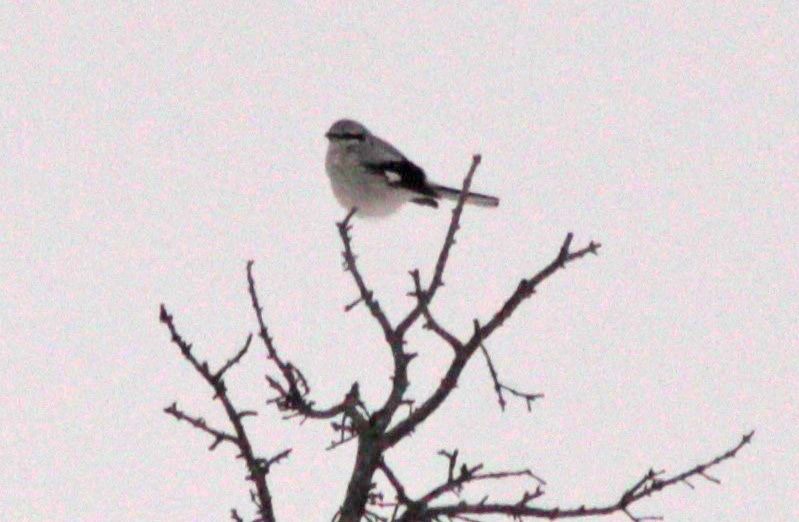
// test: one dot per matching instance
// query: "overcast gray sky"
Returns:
(149, 149)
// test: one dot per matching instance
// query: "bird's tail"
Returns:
(474, 198)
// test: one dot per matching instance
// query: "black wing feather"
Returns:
(411, 176)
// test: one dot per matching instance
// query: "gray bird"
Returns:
(370, 174)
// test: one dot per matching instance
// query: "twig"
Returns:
(234, 360)
(381, 418)
(402, 496)
(200, 424)
(456, 481)
(430, 322)
(268, 463)
(529, 398)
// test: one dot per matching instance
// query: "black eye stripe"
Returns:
(351, 136)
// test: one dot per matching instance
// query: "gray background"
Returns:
(149, 149)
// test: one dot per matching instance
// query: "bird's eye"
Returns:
(354, 136)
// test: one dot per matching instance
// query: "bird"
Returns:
(369, 174)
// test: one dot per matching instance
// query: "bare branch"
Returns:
(467, 474)
(268, 463)
(649, 485)
(292, 396)
(200, 424)
(382, 416)
(457, 478)
(525, 289)
(452, 461)
(370, 445)
(366, 295)
(257, 474)
(449, 240)
(402, 496)
(430, 322)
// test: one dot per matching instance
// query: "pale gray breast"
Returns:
(341, 158)
(355, 185)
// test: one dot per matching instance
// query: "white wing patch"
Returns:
(392, 177)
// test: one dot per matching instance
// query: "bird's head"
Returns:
(347, 131)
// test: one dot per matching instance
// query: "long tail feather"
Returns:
(474, 198)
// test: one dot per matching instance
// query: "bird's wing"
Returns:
(399, 171)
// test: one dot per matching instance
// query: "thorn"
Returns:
(410, 356)
(353, 304)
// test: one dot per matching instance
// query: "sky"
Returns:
(149, 149)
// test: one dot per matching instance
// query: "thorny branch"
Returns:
(395, 341)
(366, 296)
(430, 321)
(529, 398)
(257, 467)
(292, 394)
(437, 280)
(650, 484)
(456, 481)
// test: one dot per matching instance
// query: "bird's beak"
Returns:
(328, 135)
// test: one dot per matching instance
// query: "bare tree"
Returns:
(377, 430)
